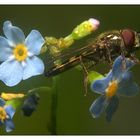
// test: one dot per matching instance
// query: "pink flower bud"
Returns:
(95, 23)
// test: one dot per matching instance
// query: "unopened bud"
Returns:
(85, 28)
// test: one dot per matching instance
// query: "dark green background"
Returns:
(72, 115)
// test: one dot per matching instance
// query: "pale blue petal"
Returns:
(13, 33)
(5, 49)
(2, 102)
(9, 125)
(112, 107)
(126, 86)
(34, 42)
(121, 65)
(35, 66)
(99, 86)
(98, 106)
(11, 72)
(10, 111)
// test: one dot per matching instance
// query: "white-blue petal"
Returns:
(111, 107)
(34, 42)
(10, 111)
(98, 106)
(99, 86)
(11, 72)
(9, 125)
(5, 49)
(34, 66)
(13, 33)
(127, 87)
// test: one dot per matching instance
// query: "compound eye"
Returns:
(128, 37)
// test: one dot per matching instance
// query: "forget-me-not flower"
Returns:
(6, 114)
(118, 82)
(19, 54)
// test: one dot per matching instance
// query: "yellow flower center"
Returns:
(20, 52)
(112, 88)
(3, 114)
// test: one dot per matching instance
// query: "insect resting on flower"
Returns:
(104, 48)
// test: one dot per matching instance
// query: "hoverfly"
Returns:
(104, 48)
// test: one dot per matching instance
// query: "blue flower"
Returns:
(118, 82)
(19, 54)
(6, 114)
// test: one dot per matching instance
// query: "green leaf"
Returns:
(93, 75)
(14, 103)
(40, 90)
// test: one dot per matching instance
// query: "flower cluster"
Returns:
(118, 82)
(19, 61)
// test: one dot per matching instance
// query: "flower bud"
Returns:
(85, 28)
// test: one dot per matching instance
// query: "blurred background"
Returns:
(72, 107)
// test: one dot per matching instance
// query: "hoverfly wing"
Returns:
(65, 60)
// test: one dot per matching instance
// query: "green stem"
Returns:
(68, 41)
(53, 90)
(54, 106)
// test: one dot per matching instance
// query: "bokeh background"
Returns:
(72, 107)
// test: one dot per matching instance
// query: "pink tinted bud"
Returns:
(94, 22)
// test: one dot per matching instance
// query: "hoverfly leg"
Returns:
(123, 62)
(108, 56)
(123, 55)
(85, 75)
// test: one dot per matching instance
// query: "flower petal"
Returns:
(126, 86)
(10, 111)
(34, 42)
(5, 49)
(13, 33)
(34, 66)
(98, 106)
(11, 72)
(112, 107)
(9, 125)
(2, 102)
(99, 86)
(119, 66)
